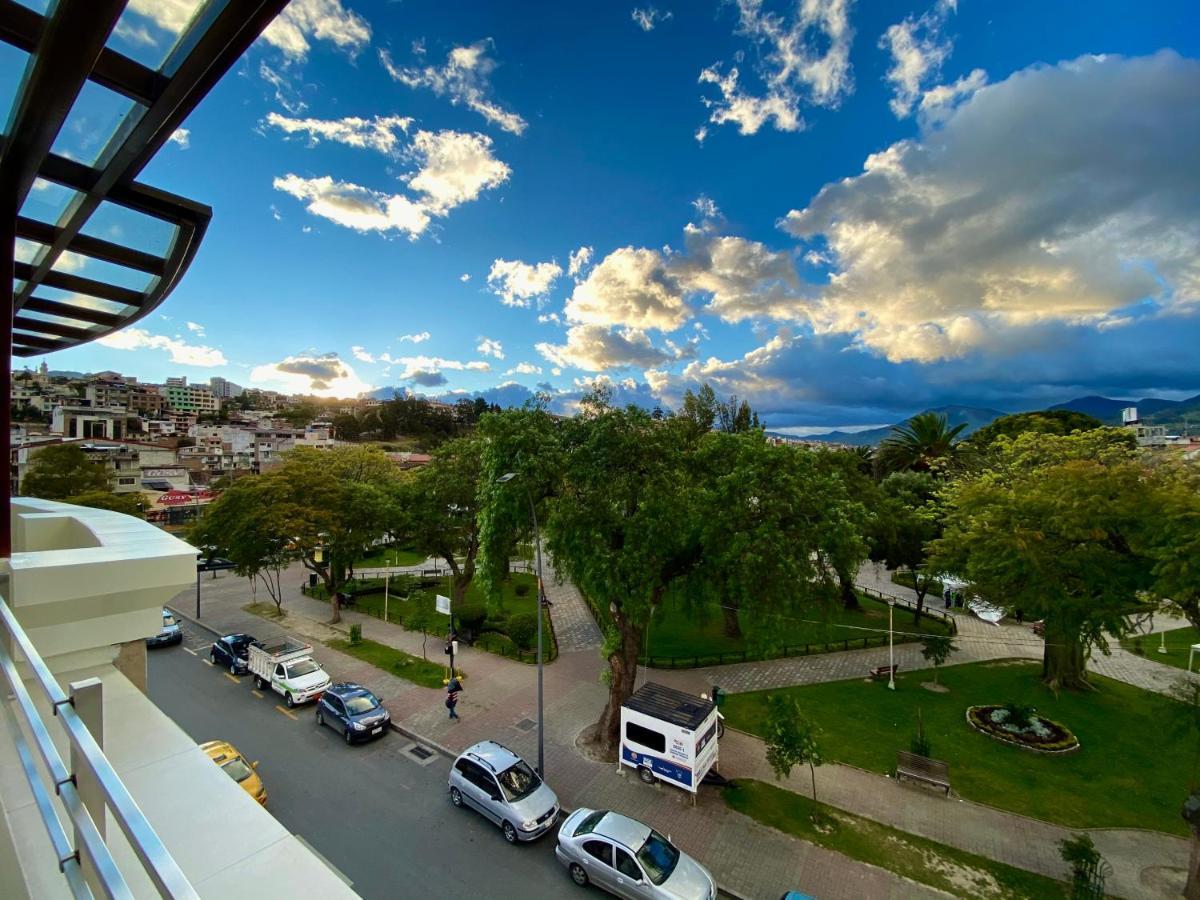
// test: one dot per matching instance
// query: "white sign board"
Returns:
(443, 605)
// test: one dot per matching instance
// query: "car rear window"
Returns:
(588, 825)
(168, 620)
(237, 769)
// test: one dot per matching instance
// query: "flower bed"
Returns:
(1039, 734)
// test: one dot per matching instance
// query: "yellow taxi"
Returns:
(225, 755)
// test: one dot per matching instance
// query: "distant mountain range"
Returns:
(973, 416)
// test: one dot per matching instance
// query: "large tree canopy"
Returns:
(1063, 527)
(924, 442)
(62, 471)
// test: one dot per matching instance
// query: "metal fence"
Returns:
(908, 603)
(84, 790)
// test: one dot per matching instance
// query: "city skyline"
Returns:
(844, 214)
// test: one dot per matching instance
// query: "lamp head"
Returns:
(506, 478)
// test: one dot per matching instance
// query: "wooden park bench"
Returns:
(884, 671)
(932, 772)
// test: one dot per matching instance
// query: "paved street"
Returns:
(377, 814)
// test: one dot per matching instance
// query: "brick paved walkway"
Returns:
(500, 703)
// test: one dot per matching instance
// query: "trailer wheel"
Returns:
(259, 683)
(647, 775)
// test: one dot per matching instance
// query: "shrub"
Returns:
(521, 589)
(355, 635)
(470, 616)
(522, 628)
(920, 742)
(1019, 716)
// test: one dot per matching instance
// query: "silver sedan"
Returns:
(629, 859)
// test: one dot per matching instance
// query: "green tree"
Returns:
(936, 648)
(132, 504)
(791, 739)
(1062, 527)
(1177, 550)
(923, 443)
(909, 518)
(853, 468)
(700, 408)
(1046, 421)
(61, 471)
(440, 509)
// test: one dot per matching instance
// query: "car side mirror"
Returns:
(254, 765)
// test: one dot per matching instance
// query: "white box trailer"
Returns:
(669, 735)
(289, 669)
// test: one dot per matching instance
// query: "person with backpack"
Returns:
(452, 691)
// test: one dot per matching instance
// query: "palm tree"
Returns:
(920, 443)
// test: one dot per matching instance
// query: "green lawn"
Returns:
(397, 662)
(1132, 770)
(677, 632)
(1178, 641)
(393, 557)
(928, 862)
(506, 627)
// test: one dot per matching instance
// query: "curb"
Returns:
(195, 621)
(413, 736)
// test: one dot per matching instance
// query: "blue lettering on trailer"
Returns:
(659, 766)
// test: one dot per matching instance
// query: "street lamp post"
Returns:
(891, 648)
(537, 543)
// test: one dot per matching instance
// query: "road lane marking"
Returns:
(207, 662)
(256, 693)
(334, 869)
(231, 678)
(288, 713)
(193, 652)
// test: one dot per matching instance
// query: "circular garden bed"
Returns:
(1024, 728)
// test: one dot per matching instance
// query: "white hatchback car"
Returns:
(629, 859)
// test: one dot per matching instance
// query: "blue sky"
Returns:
(844, 212)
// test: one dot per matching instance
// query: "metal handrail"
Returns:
(157, 862)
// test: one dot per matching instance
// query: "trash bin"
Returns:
(718, 696)
(312, 579)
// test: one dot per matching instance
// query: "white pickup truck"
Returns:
(290, 670)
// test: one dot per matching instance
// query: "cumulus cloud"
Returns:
(804, 58)
(578, 261)
(180, 351)
(524, 368)
(455, 168)
(428, 378)
(377, 133)
(361, 354)
(647, 19)
(303, 21)
(324, 375)
(518, 283)
(938, 101)
(549, 319)
(464, 277)
(488, 347)
(181, 138)
(918, 48)
(743, 279)
(465, 79)
(355, 206)
(418, 338)
(195, 328)
(595, 348)
(952, 242)
(631, 287)
(705, 208)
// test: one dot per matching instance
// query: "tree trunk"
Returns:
(849, 596)
(921, 588)
(622, 666)
(733, 627)
(1191, 891)
(812, 770)
(1064, 660)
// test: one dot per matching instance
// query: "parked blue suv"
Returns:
(232, 652)
(354, 711)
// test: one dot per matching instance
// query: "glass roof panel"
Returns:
(77, 299)
(148, 30)
(12, 70)
(38, 5)
(131, 229)
(92, 121)
(46, 201)
(99, 270)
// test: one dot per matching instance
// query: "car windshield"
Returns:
(304, 667)
(237, 769)
(518, 781)
(362, 703)
(168, 620)
(658, 857)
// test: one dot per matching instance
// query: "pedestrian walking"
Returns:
(1020, 616)
(946, 597)
(958, 599)
(452, 691)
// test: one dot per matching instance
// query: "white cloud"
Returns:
(578, 261)
(286, 95)
(951, 243)
(918, 49)
(196, 328)
(134, 34)
(455, 168)
(518, 284)
(168, 15)
(303, 21)
(415, 338)
(464, 277)
(804, 59)
(181, 352)
(377, 133)
(743, 279)
(361, 354)
(465, 79)
(706, 208)
(488, 347)
(323, 375)
(630, 287)
(595, 348)
(524, 369)
(937, 101)
(415, 365)
(181, 137)
(556, 371)
(355, 206)
(650, 17)
(549, 319)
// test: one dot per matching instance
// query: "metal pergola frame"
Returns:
(67, 48)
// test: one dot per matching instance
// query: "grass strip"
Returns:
(393, 661)
(920, 859)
